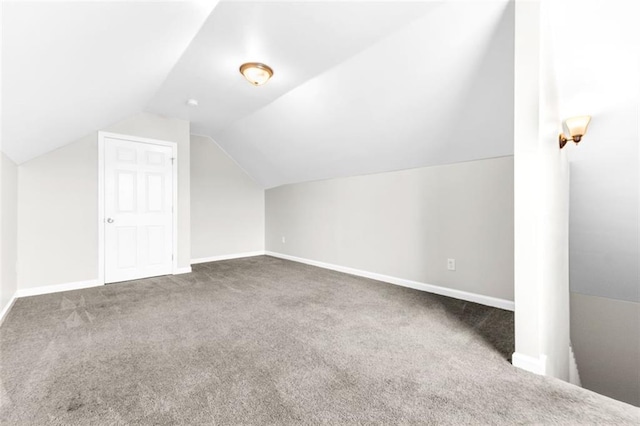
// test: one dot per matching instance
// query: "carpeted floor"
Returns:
(268, 341)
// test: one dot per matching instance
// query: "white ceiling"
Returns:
(299, 41)
(438, 90)
(359, 87)
(70, 68)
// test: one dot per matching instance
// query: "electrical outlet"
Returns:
(284, 240)
(451, 264)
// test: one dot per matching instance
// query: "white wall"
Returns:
(604, 247)
(597, 64)
(57, 208)
(8, 229)
(8, 215)
(405, 224)
(562, 71)
(526, 112)
(541, 204)
(57, 205)
(227, 206)
(605, 221)
(605, 179)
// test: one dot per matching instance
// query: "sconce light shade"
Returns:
(575, 128)
(256, 73)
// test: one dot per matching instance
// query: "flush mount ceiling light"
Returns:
(256, 73)
(575, 127)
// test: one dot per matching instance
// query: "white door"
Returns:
(138, 210)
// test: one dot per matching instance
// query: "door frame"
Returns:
(101, 202)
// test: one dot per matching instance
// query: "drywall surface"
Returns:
(605, 335)
(57, 210)
(605, 167)
(604, 242)
(604, 229)
(438, 80)
(9, 226)
(604, 249)
(88, 64)
(58, 202)
(227, 206)
(405, 224)
(541, 203)
(526, 111)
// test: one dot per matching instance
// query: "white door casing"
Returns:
(137, 207)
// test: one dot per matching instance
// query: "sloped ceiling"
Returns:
(438, 90)
(299, 40)
(70, 68)
(359, 87)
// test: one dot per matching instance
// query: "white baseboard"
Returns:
(444, 291)
(7, 308)
(35, 291)
(227, 257)
(182, 270)
(529, 363)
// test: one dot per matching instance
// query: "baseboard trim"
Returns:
(430, 288)
(529, 363)
(182, 270)
(26, 292)
(7, 308)
(227, 257)
(78, 285)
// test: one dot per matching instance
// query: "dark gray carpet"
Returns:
(267, 341)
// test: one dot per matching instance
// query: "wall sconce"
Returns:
(575, 127)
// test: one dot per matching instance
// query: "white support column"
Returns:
(541, 204)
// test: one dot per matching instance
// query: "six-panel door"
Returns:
(138, 210)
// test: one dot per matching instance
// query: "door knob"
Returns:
(109, 220)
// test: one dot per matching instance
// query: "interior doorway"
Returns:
(137, 207)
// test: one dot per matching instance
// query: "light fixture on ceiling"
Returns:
(575, 127)
(256, 73)
(192, 102)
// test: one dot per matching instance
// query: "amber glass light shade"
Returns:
(256, 73)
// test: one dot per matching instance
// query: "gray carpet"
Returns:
(268, 341)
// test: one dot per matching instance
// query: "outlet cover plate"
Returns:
(451, 264)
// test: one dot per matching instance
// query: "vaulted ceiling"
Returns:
(70, 68)
(358, 87)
